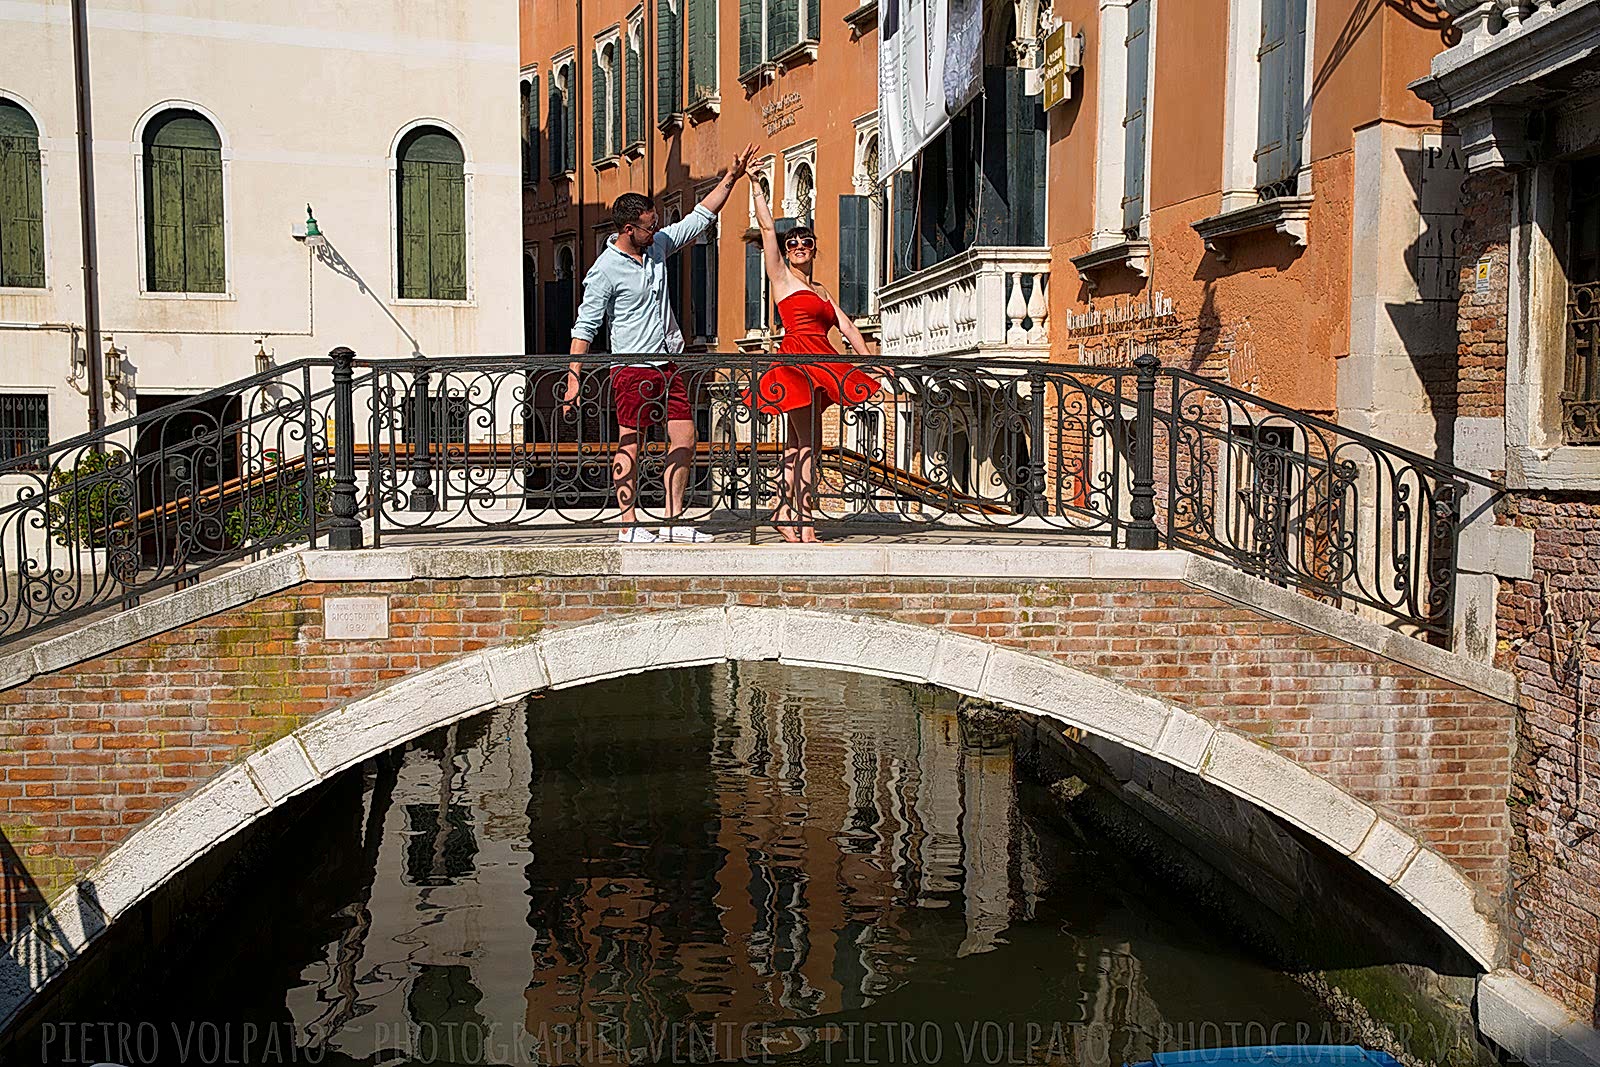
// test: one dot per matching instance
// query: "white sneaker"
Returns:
(638, 535)
(687, 534)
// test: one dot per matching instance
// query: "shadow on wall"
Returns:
(1426, 327)
(334, 260)
(1427, 14)
(26, 961)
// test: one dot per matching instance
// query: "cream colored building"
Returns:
(214, 126)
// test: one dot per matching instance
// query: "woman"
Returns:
(803, 391)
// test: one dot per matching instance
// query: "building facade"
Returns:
(211, 136)
(656, 97)
(1520, 87)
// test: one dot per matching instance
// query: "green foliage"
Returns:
(277, 510)
(90, 498)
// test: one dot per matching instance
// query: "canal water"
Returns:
(737, 863)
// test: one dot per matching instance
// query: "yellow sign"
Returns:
(1055, 67)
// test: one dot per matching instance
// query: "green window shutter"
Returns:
(1294, 88)
(597, 109)
(813, 20)
(533, 132)
(164, 244)
(1272, 152)
(1133, 122)
(750, 54)
(526, 94)
(905, 223)
(784, 16)
(699, 288)
(854, 250)
(204, 269)
(558, 123)
(447, 231)
(635, 94)
(669, 60)
(569, 152)
(21, 210)
(752, 287)
(614, 89)
(702, 50)
(414, 216)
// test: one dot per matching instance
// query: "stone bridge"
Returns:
(137, 742)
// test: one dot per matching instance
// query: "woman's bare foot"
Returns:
(808, 534)
(783, 522)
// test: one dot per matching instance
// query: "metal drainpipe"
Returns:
(91, 269)
(648, 91)
(581, 259)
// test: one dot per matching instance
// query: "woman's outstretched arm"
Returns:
(771, 254)
(852, 335)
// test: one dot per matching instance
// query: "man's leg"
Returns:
(625, 471)
(680, 454)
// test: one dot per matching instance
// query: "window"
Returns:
(669, 61)
(1280, 123)
(702, 52)
(559, 294)
(562, 132)
(755, 290)
(530, 128)
(1580, 397)
(773, 30)
(183, 205)
(606, 112)
(635, 83)
(855, 274)
(703, 286)
(1134, 119)
(21, 200)
(431, 198)
(530, 299)
(804, 191)
(24, 425)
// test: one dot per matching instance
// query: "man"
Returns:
(627, 287)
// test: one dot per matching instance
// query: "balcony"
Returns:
(1513, 57)
(984, 301)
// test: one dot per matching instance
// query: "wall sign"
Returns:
(1484, 263)
(355, 618)
(1122, 317)
(545, 212)
(781, 113)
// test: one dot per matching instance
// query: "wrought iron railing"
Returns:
(345, 453)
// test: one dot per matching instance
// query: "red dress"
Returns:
(807, 318)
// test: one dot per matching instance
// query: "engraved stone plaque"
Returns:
(355, 618)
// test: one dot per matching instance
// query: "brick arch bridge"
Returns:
(140, 741)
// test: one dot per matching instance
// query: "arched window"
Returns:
(21, 200)
(804, 187)
(183, 233)
(432, 205)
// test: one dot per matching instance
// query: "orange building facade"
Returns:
(678, 87)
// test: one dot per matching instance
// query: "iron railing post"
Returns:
(344, 529)
(422, 495)
(1444, 541)
(1142, 531)
(1036, 449)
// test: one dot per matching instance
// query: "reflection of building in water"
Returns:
(812, 882)
(744, 843)
(449, 834)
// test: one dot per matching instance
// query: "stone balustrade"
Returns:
(984, 300)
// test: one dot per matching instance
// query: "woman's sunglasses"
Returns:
(800, 242)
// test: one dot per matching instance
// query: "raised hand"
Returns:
(741, 162)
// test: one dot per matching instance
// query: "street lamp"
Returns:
(314, 239)
(263, 361)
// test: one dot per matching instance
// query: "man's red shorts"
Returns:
(645, 396)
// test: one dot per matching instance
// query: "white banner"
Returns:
(930, 66)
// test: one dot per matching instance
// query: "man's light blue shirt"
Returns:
(632, 295)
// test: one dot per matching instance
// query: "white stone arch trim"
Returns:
(577, 655)
(140, 250)
(44, 189)
(468, 174)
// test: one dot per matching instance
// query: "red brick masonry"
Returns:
(94, 750)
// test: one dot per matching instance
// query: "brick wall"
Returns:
(1554, 920)
(93, 751)
(1481, 324)
(1553, 923)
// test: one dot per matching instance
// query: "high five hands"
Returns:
(740, 165)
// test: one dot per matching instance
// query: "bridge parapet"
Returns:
(1131, 457)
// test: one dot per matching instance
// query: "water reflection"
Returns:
(743, 860)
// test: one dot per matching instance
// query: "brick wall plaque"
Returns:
(355, 618)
